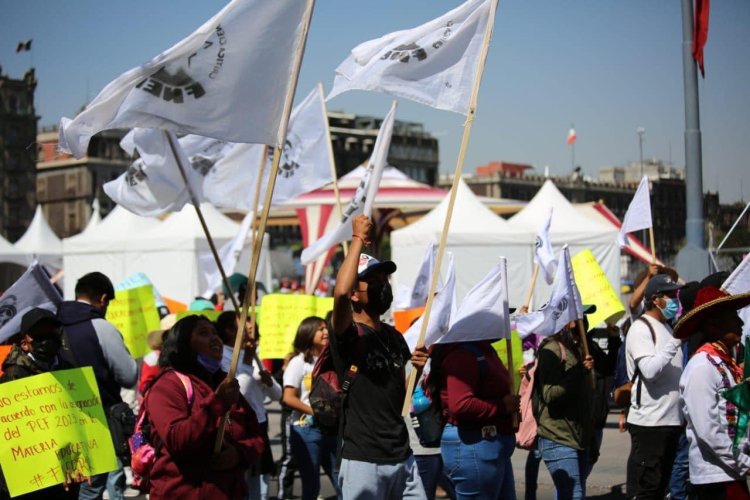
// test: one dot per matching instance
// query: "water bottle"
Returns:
(419, 401)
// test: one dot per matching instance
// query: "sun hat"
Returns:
(708, 300)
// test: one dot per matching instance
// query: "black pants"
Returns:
(734, 490)
(653, 451)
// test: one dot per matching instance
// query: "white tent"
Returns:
(569, 226)
(477, 238)
(10, 254)
(95, 219)
(168, 252)
(40, 241)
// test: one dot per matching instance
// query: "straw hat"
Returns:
(709, 300)
(154, 337)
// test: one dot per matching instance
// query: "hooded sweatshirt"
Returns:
(90, 340)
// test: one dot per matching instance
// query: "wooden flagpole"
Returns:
(253, 288)
(257, 243)
(452, 197)
(196, 204)
(653, 246)
(531, 286)
(332, 161)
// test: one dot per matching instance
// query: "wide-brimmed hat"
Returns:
(709, 300)
(155, 336)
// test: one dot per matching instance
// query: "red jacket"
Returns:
(473, 400)
(183, 465)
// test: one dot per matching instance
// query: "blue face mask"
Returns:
(209, 363)
(671, 309)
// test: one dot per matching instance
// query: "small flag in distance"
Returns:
(24, 46)
(571, 136)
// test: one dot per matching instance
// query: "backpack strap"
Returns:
(637, 371)
(188, 386)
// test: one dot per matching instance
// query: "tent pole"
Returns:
(452, 199)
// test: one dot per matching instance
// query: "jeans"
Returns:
(312, 449)
(680, 470)
(531, 473)
(479, 467)
(567, 466)
(431, 471)
(113, 482)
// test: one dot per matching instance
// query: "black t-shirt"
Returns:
(374, 430)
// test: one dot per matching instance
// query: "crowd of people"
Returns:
(677, 374)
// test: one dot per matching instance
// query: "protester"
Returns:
(90, 340)
(478, 402)
(636, 299)
(255, 387)
(311, 447)
(186, 466)
(35, 353)
(562, 401)
(376, 459)
(654, 419)
(718, 457)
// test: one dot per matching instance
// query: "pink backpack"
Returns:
(142, 450)
(526, 435)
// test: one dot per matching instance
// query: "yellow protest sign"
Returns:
(596, 289)
(502, 352)
(53, 424)
(134, 313)
(280, 316)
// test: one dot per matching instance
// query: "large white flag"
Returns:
(421, 287)
(434, 64)
(483, 314)
(563, 307)
(638, 215)
(153, 185)
(363, 196)
(33, 289)
(227, 80)
(543, 253)
(229, 254)
(443, 308)
(739, 282)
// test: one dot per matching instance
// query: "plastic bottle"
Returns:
(420, 402)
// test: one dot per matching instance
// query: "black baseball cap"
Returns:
(659, 284)
(35, 316)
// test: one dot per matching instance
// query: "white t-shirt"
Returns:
(711, 457)
(660, 368)
(298, 374)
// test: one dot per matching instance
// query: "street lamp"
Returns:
(640, 131)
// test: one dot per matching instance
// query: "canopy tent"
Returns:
(10, 254)
(572, 227)
(40, 242)
(477, 238)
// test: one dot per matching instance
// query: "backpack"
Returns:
(429, 424)
(328, 393)
(143, 450)
(526, 434)
(623, 390)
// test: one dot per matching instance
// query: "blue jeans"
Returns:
(431, 472)
(311, 450)
(113, 482)
(680, 473)
(567, 466)
(479, 467)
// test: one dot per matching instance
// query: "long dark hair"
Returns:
(176, 352)
(303, 341)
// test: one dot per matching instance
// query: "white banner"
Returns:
(543, 253)
(229, 254)
(227, 80)
(443, 308)
(638, 215)
(33, 289)
(434, 64)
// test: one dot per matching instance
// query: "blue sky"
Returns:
(608, 66)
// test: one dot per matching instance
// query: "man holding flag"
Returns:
(376, 459)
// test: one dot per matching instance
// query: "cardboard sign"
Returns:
(134, 313)
(280, 316)
(596, 289)
(52, 424)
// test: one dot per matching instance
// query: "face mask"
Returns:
(209, 363)
(46, 349)
(671, 309)
(380, 297)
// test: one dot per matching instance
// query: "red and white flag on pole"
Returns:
(571, 136)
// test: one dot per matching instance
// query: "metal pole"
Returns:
(640, 131)
(694, 230)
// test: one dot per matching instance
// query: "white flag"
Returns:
(422, 282)
(483, 314)
(638, 215)
(229, 254)
(543, 253)
(363, 196)
(443, 307)
(563, 307)
(434, 64)
(33, 289)
(739, 282)
(227, 80)
(153, 184)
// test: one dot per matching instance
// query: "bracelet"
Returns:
(364, 242)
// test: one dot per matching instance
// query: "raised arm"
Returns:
(347, 276)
